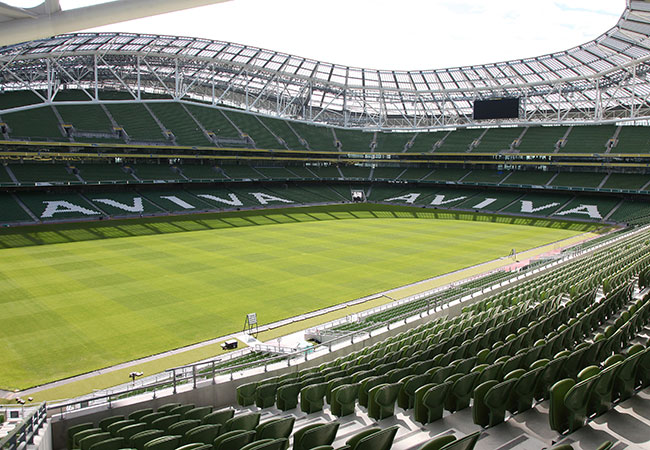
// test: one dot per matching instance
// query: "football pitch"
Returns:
(69, 308)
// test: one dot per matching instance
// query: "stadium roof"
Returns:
(604, 79)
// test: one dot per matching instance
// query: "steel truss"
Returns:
(604, 80)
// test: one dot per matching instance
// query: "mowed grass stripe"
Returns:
(75, 307)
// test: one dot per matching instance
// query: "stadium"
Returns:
(208, 245)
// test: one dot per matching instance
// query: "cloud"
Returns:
(379, 34)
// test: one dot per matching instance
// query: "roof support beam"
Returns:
(30, 27)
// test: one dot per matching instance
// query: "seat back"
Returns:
(243, 422)
(275, 429)
(465, 443)
(380, 440)
(320, 434)
(218, 417)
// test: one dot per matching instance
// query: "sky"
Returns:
(388, 34)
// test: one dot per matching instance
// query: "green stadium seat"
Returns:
(104, 423)
(192, 446)
(312, 397)
(480, 411)
(576, 402)
(444, 443)
(496, 401)
(437, 442)
(643, 370)
(268, 444)
(79, 435)
(381, 439)
(109, 444)
(410, 384)
(167, 407)
(139, 414)
(601, 397)
(275, 428)
(138, 440)
(429, 402)
(75, 429)
(164, 422)
(246, 394)
(89, 441)
(181, 409)
(550, 375)
(381, 400)
(128, 431)
(333, 383)
(204, 434)
(219, 417)
(558, 414)
(625, 380)
(149, 418)
(163, 443)
(461, 392)
(115, 426)
(315, 435)
(265, 394)
(524, 390)
(343, 399)
(183, 426)
(287, 396)
(234, 440)
(198, 413)
(245, 422)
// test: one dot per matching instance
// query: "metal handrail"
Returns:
(25, 431)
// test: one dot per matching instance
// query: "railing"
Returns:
(24, 432)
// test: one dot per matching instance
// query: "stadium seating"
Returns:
(10, 211)
(541, 139)
(277, 173)
(138, 123)
(578, 179)
(633, 139)
(387, 173)
(318, 137)
(353, 140)
(415, 174)
(529, 177)
(588, 139)
(155, 172)
(241, 172)
(98, 173)
(21, 125)
(484, 176)
(392, 142)
(283, 130)
(32, 173)
(175, 119)
(215, 122)
(629, 181)
(459, 141)
(498, 139)
(424, 142)
(59, 206)
(355, 172)
(201, 172)
(250, 125)
(442, 174)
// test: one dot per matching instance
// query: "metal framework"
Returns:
(604, 80)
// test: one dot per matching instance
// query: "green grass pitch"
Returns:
(73, 307)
